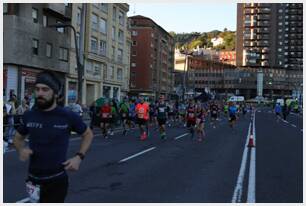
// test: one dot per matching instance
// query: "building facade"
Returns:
(227, 57)
(106, 56)
(152, 60)
(270, 35)
(31, 47)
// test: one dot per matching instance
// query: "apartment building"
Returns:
(106, 59)
(30, 47)
(270, 35)
(152, 60)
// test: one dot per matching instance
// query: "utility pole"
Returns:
(81, 52)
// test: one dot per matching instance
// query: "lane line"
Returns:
(137, 154)
(251, 198)
(181, 136)
(23, 200)
(293, 125)
(239, 185)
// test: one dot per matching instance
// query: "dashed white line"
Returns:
(293, 125)
(23, 200)
(181, 136)
(285, 121)
(135, 155)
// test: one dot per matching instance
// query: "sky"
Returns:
(188, 17)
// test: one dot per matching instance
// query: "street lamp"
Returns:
(79, 65)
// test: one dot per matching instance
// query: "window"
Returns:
(133, 64)
(49, 50)
(113, 33)
(78, 39)
(134, 43)
(134, 33)
(103, 26)
(94, 44)
(79, 16)
(35, 15)
(104, 69)
(5, 8)
(94, 22)
(120, 36)
(112, 72)
(121, 18)
(63, 55)
(102, 48)
(104, 7)
(96, 5)
(45, 21)
(114, 13)
(113, 52)
(60, 29)
(120, 55)
(35, 44)
(134, 53)
(119, 74)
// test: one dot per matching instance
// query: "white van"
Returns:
(236, 99)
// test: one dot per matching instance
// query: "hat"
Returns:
(49, 79)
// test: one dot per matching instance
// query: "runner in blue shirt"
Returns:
(232, 110)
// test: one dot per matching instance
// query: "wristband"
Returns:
(82, 156)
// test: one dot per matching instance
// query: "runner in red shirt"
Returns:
(191, 117)
(106, 116)
(142, 113)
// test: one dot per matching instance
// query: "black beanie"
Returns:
(49, 79)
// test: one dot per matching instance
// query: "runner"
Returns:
(162, 113)
(200, 123)
(124, 113)
(142, 111)
(106, 116)
(278, 110)
(191, 117)
(182, 112)
(132, 114)
(213, 113)
(232, 110)
(170, 106)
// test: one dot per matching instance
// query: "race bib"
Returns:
(191, 115)
(33, 192)
(141, 113)
(104, 115)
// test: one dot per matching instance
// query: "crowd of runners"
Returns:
(165, 113)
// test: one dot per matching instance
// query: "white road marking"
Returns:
(252, 171)
(135, 155)
(285, 121)
(293, 125)
(181, 136)
(239, 186)
(23, 200)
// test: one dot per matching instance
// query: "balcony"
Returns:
(264, 63)
(265, 50)
(59, 10)
(263, 24)
(262, 31)
(264, 57)
(262, 37)
(263, 11)
(263, 17)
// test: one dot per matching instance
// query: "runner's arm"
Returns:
(87, 137)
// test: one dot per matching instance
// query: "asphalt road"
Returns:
(123, 169)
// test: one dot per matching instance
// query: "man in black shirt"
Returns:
(49, 126)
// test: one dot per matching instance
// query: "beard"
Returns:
(43, 103)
